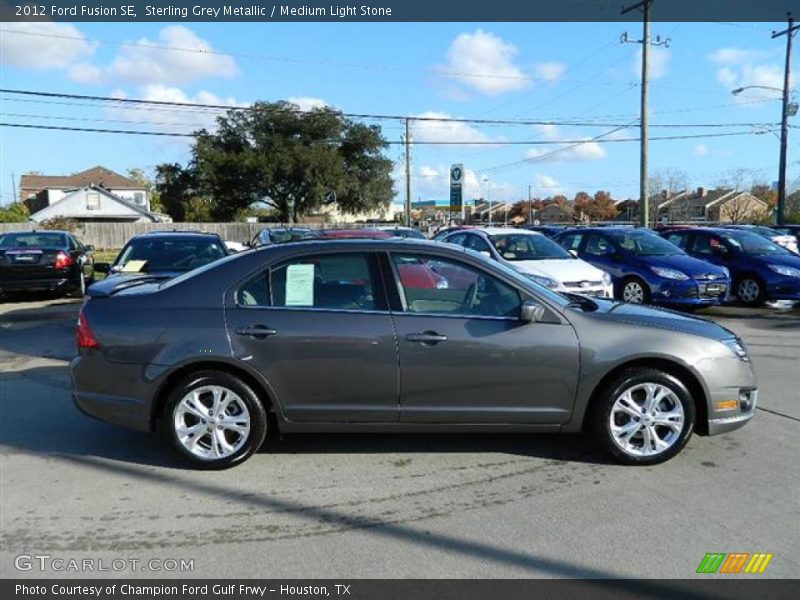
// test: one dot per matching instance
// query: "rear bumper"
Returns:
(94, 380)
(33, 285)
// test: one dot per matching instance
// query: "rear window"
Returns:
(158, 254)
(33, 240)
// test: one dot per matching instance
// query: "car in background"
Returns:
(53, 261)
(646, 268)
(322, 336)
(536, 256)
(403, 232)
(236, 246)
(760, 269)
(437, 237)
(789, 229)
(787, 240)
(161, 255)
(548, 230)
(280, 235)
(367, 233)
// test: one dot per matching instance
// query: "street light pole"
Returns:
(789, 33)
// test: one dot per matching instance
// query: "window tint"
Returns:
(343, 281)
(458, 239)
(477, 243)
(598, 245)
(444, 286)
(679, 239)
(255, 292)
(571, 241)
(168, 254)
(33, 240)
(705, 244)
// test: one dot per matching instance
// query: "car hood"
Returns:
(661, 318)
(567, 269)
(687, 264)
(790, 260)
(119, 281)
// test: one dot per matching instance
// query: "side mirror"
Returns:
(89, 248)
(102, 267)
(531, 312)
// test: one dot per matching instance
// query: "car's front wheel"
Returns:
(644, 417)
(751, 291)
(214, 420)
(635, 291)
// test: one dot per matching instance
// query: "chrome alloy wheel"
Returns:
(646, 419)
(633, 292)
(748, 290)
(212, 422)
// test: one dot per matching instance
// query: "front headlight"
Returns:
(606, 278)
(545, 281)
(669, 273)
(738, 349)
(784, 270)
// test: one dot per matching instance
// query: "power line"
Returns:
(571, 143)
(379, 117)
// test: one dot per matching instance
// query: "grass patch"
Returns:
(106, 256)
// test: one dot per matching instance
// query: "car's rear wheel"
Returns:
(634, 290)
(644, 417)
(214, 420)
(751, 291)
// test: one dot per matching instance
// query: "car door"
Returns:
(601, 252)
(318, 329)
(710, 247)
(465, 356)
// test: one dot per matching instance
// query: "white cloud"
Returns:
(171, 119)
(307, 103)
(549, 71)
(485, 62)
(700, 150)
(43, 45)
(569, 152)
(195, 60)
(545, 185)
(656, 63)
(727, 77)
(735, 56)
(450, 131)
(85, 73)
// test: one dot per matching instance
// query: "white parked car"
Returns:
(538, 257)
(235, 246)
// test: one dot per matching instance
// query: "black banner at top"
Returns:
(393, 10)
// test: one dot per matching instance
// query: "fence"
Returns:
(108, 236)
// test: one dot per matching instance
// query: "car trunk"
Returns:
(28, 263)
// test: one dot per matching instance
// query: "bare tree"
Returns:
(663, 184)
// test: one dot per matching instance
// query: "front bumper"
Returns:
(783, 288)
(690, 292)
(731, 393)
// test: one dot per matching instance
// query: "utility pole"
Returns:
(408, 174)
(530, 212)
(14, 187)
(789, 33)
(644, 196)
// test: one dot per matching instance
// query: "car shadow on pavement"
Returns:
(45, 421)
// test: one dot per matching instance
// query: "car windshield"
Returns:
(153, 255)
(640, 243)
(280, 236)
(406, 233)
(752, 244)
(32, 240)
(520, 246)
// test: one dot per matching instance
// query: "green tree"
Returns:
(16, 212)
(140, 177)
(291, 161)
(176, 188)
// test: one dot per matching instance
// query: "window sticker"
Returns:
(300, 285)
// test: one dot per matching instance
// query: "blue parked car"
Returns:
(761, 270)
(646, 268)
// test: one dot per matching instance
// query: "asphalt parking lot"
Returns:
(401, 506)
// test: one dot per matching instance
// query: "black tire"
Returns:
(634, 280)
(79, 291)
(255, 410)
(601, 415)
(745, 286)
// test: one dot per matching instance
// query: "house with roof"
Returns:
(715, 206)
(96, 205)
(553, 213)
(39, 191)
(792, 204)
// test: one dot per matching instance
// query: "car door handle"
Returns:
(258, 332)
(426, 337)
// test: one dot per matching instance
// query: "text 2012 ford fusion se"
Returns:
(328, 336)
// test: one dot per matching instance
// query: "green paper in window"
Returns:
(300, 285)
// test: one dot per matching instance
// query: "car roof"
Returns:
(177, 234)
(505, 231)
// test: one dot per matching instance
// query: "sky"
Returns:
(567, 73)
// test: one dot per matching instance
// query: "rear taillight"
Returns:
(83, 335)
(63, 260)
